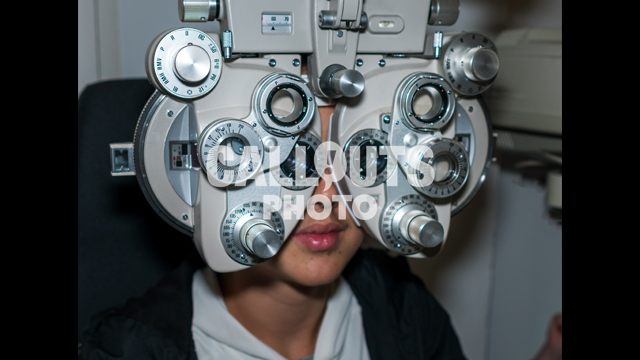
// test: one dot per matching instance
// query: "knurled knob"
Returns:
(260, 238)
(336, 81)
(419, 228)
(198, 10)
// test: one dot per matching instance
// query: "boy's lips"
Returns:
(318, 237)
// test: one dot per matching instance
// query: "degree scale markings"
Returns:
(391, 235)
(454, 62)
(164, 56)
(233, 246)
(223, 136)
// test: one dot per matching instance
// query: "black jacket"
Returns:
(401, 319)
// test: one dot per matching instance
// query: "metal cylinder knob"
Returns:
(337, 81)
(444, 12)
(198, 10)
(259, 238)
(419, 228)
(348, 83)
(192, 64)
(326, 18)
(481, 64)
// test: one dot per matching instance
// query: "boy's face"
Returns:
(318, 250)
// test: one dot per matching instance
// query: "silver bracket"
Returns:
(437, 43)
(227, 43)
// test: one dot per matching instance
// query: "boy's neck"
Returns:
(283, 315)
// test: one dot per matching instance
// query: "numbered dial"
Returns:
(471, 63)
(408, 221)
(438, 168)
(367, 161)
(230, 151)
(427, 102)
(185, 63)
(249, 236)
(299, 171)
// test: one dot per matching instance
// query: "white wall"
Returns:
(499, 275)
(99, 45)
(527, 270)
(87, 64)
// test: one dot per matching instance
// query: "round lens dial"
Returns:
(368, 163)
(230, 151)
(427, 102)
(184, 63)
(284, 104)
(299, 171)
(438, 168)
